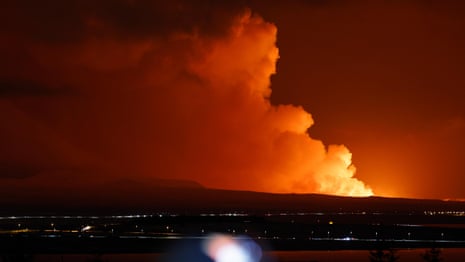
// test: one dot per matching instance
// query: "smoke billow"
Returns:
(182, 102)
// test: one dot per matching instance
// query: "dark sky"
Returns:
(96, 92)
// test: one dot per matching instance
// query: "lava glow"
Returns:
(183, 104)
(267, 147)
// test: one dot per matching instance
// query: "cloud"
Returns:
(183, 94)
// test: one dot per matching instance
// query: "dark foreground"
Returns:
(287, 224)
(107, 245)
(403, 255)
(272, 231)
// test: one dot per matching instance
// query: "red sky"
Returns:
(116, 90)
(386, 79)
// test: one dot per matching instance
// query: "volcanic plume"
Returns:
(182, 103)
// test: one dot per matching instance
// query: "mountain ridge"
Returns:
(190, 197)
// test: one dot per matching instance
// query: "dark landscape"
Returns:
(277, 222)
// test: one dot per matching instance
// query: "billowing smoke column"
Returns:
(184, 104)
(243, 141)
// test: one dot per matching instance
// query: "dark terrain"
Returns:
(143, 219)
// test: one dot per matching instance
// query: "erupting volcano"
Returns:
(181, 104)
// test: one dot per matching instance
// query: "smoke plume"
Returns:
(176, 101)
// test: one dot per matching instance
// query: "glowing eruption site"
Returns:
(135, 101)
(240, 140)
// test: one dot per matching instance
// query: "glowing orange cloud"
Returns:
(255, 145)
(185, 105)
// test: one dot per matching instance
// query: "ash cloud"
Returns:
(178, 91)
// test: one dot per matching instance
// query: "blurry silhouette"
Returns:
(432, 255)
(381, 255)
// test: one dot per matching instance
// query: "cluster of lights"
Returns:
(445, 213)
(323, 213)
(223, 214)
(133, 216)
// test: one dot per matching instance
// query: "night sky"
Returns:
(101, 92)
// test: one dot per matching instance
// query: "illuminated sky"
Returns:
(386, 79)
(134, 90)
